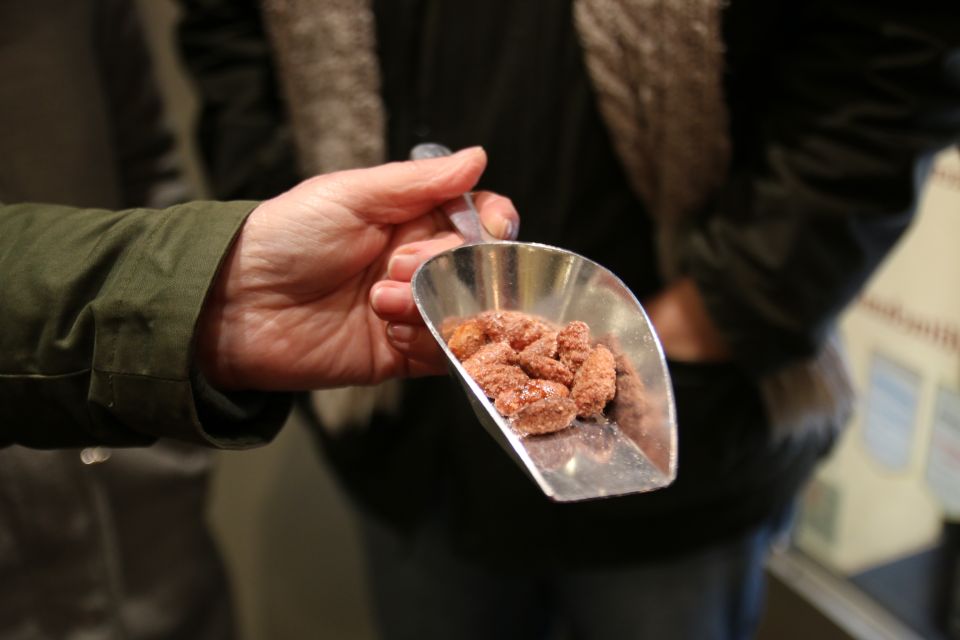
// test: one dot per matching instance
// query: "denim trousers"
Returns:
(422, 590)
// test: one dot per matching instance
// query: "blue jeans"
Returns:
(422, 591)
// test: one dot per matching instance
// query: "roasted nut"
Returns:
(494, 379)
(494, 323)
(467, 339)
(449, 325)
(511, 401)
(519, 329)
(595, 383)
(573, 344)
(540, 377)
(524, 331)
(546, 416)
(546, 368)
(545, 345)
(493, 353)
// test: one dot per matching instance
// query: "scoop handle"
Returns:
(461, 211)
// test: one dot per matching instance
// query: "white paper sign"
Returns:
(891, 410)
(943, 461)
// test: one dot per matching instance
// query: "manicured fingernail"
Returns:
(402, 265)
(388, 300)
(402, 332)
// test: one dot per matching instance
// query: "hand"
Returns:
(292, 307)
(685, 329)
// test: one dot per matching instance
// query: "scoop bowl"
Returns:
(636, 449)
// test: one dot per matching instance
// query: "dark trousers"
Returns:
(424, 591)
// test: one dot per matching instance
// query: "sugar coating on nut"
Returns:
(494, 323)
(519, 329)
(493, 353)
(494, 379)
(595, 382)
(511, 401)
(546, 368)
(467, 339)
(573, 344)
(560, 375)
(545, 416)
(545, 345)
(449, 325)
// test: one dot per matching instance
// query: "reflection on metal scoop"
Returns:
(636, 450)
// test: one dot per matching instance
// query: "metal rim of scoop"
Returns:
(505, 434)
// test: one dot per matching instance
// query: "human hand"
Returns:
(686, 330)
(292, 307)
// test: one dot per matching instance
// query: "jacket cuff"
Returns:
(749, 316)
(241, 419)
(143, 362)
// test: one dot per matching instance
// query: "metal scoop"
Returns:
(636, 449)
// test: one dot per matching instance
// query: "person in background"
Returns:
(742, 166)
(122, 327)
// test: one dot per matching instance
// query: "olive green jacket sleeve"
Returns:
(97, 321)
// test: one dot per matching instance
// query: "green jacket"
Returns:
(97, 318)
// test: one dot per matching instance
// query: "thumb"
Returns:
(400, 191)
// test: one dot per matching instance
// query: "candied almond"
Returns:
(449, 325)
(494, 324)
(545, 345)
(540, 376)
(467, 339)
(519, 329)
(511, 401)
(573, 344)
(595, 382)
(546, 368)
(546, 415)
(494, 379)
(493, 353)
(524, 331)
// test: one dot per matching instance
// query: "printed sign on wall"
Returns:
(943, 462)
(891, 412)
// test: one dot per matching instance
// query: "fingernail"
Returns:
(402, 265)
(509, 230)
(402, 332)
(387, 300)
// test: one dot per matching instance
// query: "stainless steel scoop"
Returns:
(636, 450)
